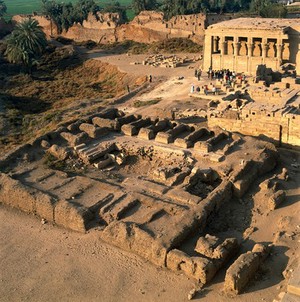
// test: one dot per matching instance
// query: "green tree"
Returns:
(140, 5)
(257, 5)
(54, 10)
(115, 7)
(26, 43)
(65, 14)
(82, 8)
(274, 11)
(3, 8)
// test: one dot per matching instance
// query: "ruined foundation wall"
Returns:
(147, 27)
(285, 129)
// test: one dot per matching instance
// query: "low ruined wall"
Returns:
(15, 194)
(49, 27)
(283, 130)
(147, 27)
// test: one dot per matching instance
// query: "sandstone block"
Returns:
(72, 217)
(164, 138)
(129, 130)
(244, 268)
(74, 140)
(183, 196)
(276, 199)
(183, 143)
(60, 153)
(203, 147)
(196, 267)
(92, 131)
(132, 238)
(106, 123)
(146, 134)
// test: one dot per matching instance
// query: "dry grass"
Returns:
(62, 88)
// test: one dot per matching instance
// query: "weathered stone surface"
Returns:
(183, 196)
(70, 216)
(131, 238)
(73, 139)
(164, 138)
(106, 123)
(244, 268)
(92, 131)
(294, 282)
(196, 267)
(18, 195)
(276, 199)
(146, 133)
(59, 152)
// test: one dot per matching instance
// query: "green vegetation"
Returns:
(167, 46)
(140, 5)
(15, 7)
(138, 104)
(268, 9)
(26, 43)
(3, 8)
(75, 10)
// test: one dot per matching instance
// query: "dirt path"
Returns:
(49, 263)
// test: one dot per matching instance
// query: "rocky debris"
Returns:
(45, 144)
(276, 199)
(160, 60)
(74, 140)
(244, 269)
(59, 152)
(206, 245)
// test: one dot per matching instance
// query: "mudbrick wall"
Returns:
(147, 27)
(282, 127)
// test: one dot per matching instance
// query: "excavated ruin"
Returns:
(149, 186)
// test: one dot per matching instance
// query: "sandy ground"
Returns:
(46, 263)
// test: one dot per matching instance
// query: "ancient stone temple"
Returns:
(242, 44)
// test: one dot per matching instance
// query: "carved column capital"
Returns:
(237, 46)
(250, 47)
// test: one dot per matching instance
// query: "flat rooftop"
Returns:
(257, 23)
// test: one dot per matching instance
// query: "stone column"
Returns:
(207, 60)
(250, 47)
(265, 47)
(279, 48)
(222, 45)
(236, 45)
(215, 44)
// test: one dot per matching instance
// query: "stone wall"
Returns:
(147, 27)
(283, 129)
(48, 25)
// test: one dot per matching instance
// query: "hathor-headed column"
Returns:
(279, 48)
(215, 44)
(237, 45)
(222, 45)
(265, 47)
(250, 47)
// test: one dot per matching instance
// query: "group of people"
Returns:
(205, 89)
(225, 75)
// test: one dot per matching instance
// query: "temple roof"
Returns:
(257, 23)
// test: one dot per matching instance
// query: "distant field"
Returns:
(15, 7)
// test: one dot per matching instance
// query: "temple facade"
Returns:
(243, 44)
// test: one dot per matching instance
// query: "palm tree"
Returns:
(3, 8)
(26, 43)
